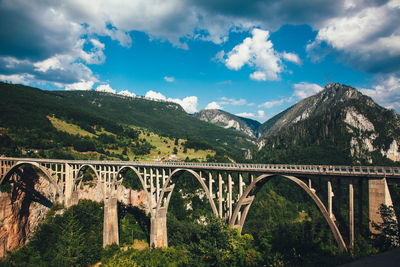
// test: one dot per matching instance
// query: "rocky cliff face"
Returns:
(25, 206)
(366, 130)
(229, 121)
(22, 209)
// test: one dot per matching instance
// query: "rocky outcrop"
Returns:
(229, 121)
(22, 209)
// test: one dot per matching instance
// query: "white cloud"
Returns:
(83, 85)
(246, 114)
(155, 95)
(257, 52)
(364, 33)
(386, 92)
(189, 104)
(258, 76)
(271, 104)
(260, 114)
(16, 78)
(292, 58)
(105, 88)
(126, 93)
(213, 105)
(232, 101)
(365, 37)
(169, 79)
(304, 89)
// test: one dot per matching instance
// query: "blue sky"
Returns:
(252, 58)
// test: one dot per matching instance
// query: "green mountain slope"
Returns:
(339, 125)
(26, 110)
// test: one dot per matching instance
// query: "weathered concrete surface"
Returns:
(110, 228)
(378, 194)
(386, 259)
(158, 230)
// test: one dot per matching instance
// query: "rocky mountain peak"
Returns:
(229, 121)
(342, 117)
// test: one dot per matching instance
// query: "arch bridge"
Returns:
(229, 187)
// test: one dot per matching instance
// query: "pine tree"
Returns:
(71, 245)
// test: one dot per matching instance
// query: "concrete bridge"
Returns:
(229, 187)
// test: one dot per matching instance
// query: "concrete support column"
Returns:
(330, 196)
(69, 184)
(110, 228)
(210, 182)
(220, 195)
(230, 183)
(158, 229)
(378, 194)
(241, 184)
(351, 215)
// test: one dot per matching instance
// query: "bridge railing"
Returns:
(360, 171)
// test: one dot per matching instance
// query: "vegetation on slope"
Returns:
(34, 119)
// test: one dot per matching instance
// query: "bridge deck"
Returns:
(322, 170)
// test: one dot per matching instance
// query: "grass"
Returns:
(164, 146)
(68, 127)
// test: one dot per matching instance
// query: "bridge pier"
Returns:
(110, 228)
(158, 229)
(378, 194)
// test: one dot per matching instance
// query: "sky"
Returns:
(251, 58)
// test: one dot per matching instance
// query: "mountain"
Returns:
(229, 121)
(28, 114)
(338, 125)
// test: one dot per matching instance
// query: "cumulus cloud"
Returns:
(189, 104)
(16, 78)
(257, 52)
(126, 93)
(292, 58)
(83, 85)
(386, 92)
(246, 114)
(54, 41)
(169, 79)
(105, 88)
(304, 89)
(155, 95)
(213, 105)
(260, 114)
(367, 37)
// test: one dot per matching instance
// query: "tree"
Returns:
(388, 231)
(71, 243)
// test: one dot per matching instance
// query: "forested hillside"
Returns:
(50, 123)
(338, 125)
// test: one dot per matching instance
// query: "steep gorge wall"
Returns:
(21, 211)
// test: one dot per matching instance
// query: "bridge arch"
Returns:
(136, 171)
(203, 185)
(46, 172)
(260, 180)
(81, 168)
